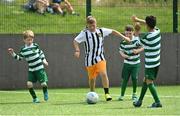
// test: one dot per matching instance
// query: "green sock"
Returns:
(45, 89)
(143, 91)
(154, 92)
(123, 86)
(32, 92)
(134, 83)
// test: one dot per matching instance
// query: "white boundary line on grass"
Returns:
(24, 92)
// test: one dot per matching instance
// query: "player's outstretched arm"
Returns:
(77, 49)
(114, 32)
(136, 19)
(17, 57)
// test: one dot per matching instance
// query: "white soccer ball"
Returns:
(92, 98)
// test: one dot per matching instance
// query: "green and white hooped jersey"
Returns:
(127, 48)
(152, 48)
(33, 55)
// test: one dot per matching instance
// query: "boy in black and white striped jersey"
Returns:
(95, 63)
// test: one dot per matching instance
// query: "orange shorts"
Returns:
(94, 70)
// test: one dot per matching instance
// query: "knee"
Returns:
(29, 84)
(44, 84)
(134, 78)
(92, 80)
(103, 75)
(148, 81)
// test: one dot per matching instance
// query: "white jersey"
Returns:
(93, 44)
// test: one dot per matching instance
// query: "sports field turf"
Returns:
(72, 102)
(15, 20)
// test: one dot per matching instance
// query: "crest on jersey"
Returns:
(99, 35)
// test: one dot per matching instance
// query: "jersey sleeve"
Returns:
(120, 47)
(41, 53)
(81, 37)
(106, 31)
(138, 42)
(18, 56)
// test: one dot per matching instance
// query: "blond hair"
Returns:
(90, 20)
(28, 33)
(137, 26)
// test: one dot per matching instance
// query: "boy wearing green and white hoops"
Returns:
(35, 58)
(130, 52)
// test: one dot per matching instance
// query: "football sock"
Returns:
(154, 92)
(45, 89)
(32, 92)
(106, 90)
(143, 91)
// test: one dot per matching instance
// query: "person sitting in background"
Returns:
(37, 5)
(41, 6)
(29, 5)
(57, 6)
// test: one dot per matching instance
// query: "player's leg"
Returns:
(31, 80)
(126, 71)
(105, 83)
(43, 79)
(101, 67)
(138, 103)
(92, 77)
(152, 76)
(92, 84)
(134, 78)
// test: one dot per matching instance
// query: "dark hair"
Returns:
(151, 21)
(129, 28)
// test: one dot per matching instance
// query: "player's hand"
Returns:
(77, 54)
(11, 51)
(135, 51)
(134, 18)
(45, 62)
(125, 56)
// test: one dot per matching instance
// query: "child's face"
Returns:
(92, 27)
(28, 41)
(129, 34)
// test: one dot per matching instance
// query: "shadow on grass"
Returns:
(79, 103)
(7, 103)
(124, 108)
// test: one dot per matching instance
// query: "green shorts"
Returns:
(151, 73)
(130, 70)
(39, 76)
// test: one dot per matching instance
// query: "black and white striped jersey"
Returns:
(93, 44)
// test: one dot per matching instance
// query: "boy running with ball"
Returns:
(35, 58)
(152, 47)
(95, 62)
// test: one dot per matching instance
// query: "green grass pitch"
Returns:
(15, 20)
(72, 102)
